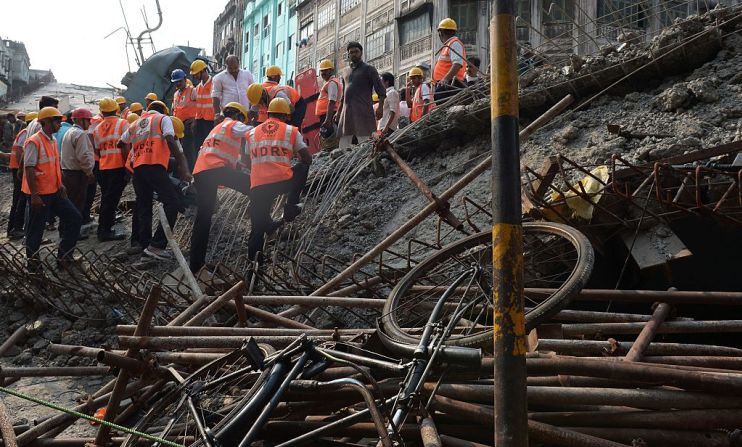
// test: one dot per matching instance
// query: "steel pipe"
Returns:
(661, 312)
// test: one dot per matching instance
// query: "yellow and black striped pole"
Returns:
(511, 424)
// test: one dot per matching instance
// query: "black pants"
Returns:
(261, 202)
(188, 143)
(203, 128)
(112, 183)
(90, 197)
(69, 228)
(76, 183)
(149, 179)
(207, 183)
(18, 206)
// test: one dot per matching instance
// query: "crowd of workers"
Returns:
(225, 130)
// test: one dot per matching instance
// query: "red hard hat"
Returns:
(81, 114)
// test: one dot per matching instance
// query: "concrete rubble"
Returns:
(629, 182)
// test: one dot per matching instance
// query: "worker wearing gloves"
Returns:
(42, 184)
(18, 206)
(217, 164)
(449, 70)
(77, 159)
(204, 121)
(112, 176)
(185, 108)
(270, 147)
(419, 98)
(152, 140)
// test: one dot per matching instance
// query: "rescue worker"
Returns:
(121, 101)
(42, 184)
(136, 108)
(77, 159)
(152, 140)
(185, 108)
(328, 102)
(259, 98)
(35, 126)
(18, 206)
(204, 121)
(270, 148)
(297, 103)
(450, 64)
(150, 98)
(419, 99)
(111, 173)
(131, 117)
(218, 164)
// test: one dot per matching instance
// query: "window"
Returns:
(414, 28)
(347, 5)
(266, 26)
(467, 18)
(290, 43)
(523, 9)
(280, 8)
(622, 13)
(279, 50)
(247, 41)
(306, 31)
(326, 15)
(380, 42)
(256, 30)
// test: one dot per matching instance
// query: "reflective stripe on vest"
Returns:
(148, 143)
(47, 169)
(204, 103)
(17, 147)
(271, 150)
(292, 94)
(220, 148)
(323, 102)
(106, 137)
(184, 106)
(443, 63)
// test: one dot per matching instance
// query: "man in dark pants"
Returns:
(152, 140)
(42, 183)
(185, 108)
(217, 164)
(205, 115)
(112, 176)
(16, 220)
(77, 158)
(270, 147)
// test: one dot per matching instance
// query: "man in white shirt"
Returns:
(390, 112)
(77, 159)
(230, 86)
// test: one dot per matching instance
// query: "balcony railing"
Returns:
(416, 48)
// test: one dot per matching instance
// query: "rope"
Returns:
(77, 414)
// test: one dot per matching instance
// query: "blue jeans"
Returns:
(69, 228)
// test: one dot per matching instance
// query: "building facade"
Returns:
(14, 67)
(228, 32)
(269, 37)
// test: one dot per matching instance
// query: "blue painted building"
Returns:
(269, 37)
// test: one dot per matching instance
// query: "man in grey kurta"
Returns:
(357, 117)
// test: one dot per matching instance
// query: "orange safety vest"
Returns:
(443, 63)
(271, 150)
(204, 103)
(323, 103)
(124, 113)
(418, 104)
(147, 143)
(14, 162)
(221, 148)
(106, 136)
(269, 85)
(47, 169)
(292, 94)
(184, 106)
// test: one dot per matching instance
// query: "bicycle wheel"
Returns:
(556, 257)
(219, 386)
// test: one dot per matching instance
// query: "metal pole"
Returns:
(511, 425)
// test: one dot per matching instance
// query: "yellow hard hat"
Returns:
(178, 127)
(30, 116)
(415, 71)
(448, 24)
(197, 66)
(120, 100)
(151, 96)
(375, 97)
(273, 70)
(189, 83)
(107, 105)
(164, 106)
(255, 93)
(238, 106)
(279, 105)
(136, 106)
(131, 117)
(49, 112)
(326, 64)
